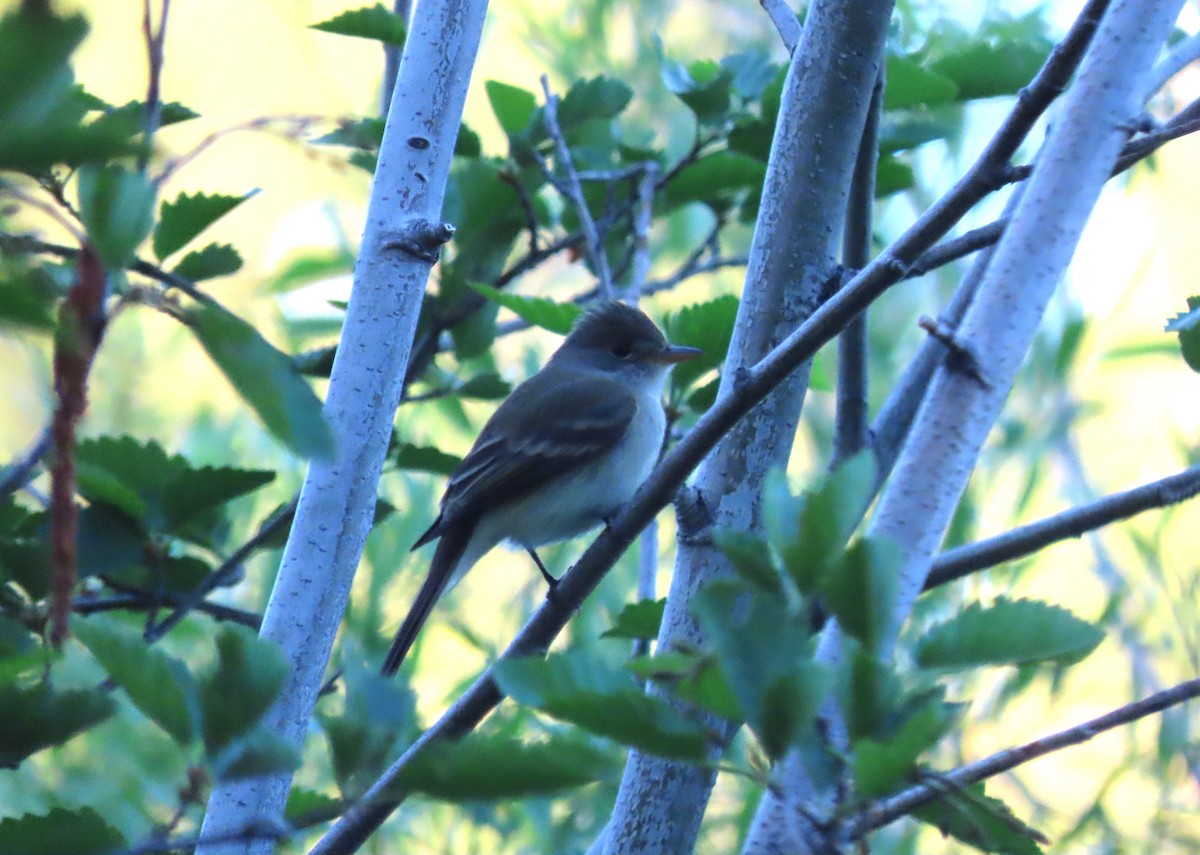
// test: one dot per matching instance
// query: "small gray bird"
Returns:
(561, 455)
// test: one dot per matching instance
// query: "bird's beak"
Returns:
(676, 353)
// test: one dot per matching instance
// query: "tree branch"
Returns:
(887, 810)
(574, 192)
(1028, 539)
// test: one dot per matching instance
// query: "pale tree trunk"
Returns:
(969, 388)
(825, 102)
(401, 238)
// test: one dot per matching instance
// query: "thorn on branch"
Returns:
(959, 357)
(421, 239)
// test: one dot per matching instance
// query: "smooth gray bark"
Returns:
(400, 240)
(1030, 259)
(825, 102)
(997, 329)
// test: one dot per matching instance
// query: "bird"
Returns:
(561, 454)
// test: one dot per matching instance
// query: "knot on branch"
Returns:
(694, 516)
(420, 239)
(959, 357)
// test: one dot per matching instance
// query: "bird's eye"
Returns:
(621, 350)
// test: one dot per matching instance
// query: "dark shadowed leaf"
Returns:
(259, 752)
(598, 98)
(485, 766)
(861, 590)
(81, 831)
(425, 458)
(216, 259)
(1187, 325)
(242, 685)
(266, 380)
(763, 649)
(38, 717)
(586, 692)
(985, 823)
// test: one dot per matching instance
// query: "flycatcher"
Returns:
(561, 455)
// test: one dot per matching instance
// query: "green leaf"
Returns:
(513, 106)
(892, 176)
(129, 119)
(485, 766)
(637, 620)
(539, 311)
(879, 767)
(35, 46)
(704, 86)
(810, 532)
(715, 179)
(35, 148)
(708, 326)
(911, 85)
(752, 72)
(38, 717)
(1010, 632)
(763, 650)
(488, 386)
(216, 259)
(164, 492)
(377, 715)
(750, 557)
(159, 686)
(236, 693)
(425, 458)
(182, 219)
(81, 831)
(584, 691)
(371, 22)
(1187, 324)
(259, 752)
(861, 590)
(598, 98)
(117, 207)
(998, 57)
(692, 676)
(982, 822)
(266, 380)
(871, 694)
(27, 299)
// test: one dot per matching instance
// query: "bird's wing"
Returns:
(561, 426)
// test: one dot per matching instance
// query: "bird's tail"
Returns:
(445, 558)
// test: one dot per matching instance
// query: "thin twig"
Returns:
(641, 231)
(294, 125)
(155, 39)
(1178, 58)
(18, 473)
(223, 575)
(850, 431)
(137, 601)
(50, 211)
(785, 21)
(595, 248)
(887, 810)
